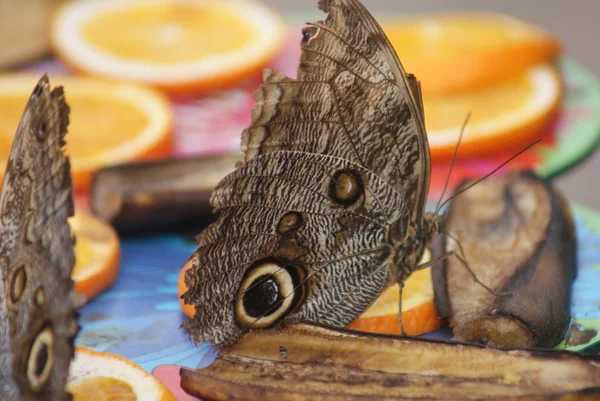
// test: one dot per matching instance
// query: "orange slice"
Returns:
(99, 376)
(182, 288)
(177, 45)
(506, 115)
(110, 122)
(461, 51)
(419, 315)
(418, 312)
(97, 253)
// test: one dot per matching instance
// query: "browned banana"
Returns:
(304, 362)
(162, 193)
(519, 240)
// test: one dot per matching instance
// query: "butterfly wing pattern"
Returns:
(315, 222)
(38, 321)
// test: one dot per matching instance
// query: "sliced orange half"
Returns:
(99, 376)
(462, 51)
(178, 45)
(507, 115)
(97, 253)
(182, 288)
(419, 315)
(110, 122)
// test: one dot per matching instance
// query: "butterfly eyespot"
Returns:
(346, 188)
(289, 222)
(18, 283)
(263, 295)
(41, 359)
(266, 295)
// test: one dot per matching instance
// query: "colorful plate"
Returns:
(139, 317)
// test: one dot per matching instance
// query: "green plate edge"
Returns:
(583, 135)
(592, 221)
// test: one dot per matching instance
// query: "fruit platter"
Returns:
(216, 201)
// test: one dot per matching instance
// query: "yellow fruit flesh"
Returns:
(84, 254)
(168, 34)
(458, 52)
(12, 107)
(96, 124)
(102, 389)
(444, 112)
(93, 243)
(418, 289)
(458, 33)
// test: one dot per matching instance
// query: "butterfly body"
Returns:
(408, 250)
(327, 208)
(37, 302)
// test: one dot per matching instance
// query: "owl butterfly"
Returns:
(37, 302)
(327, 209)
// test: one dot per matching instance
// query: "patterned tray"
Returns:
(139, 317)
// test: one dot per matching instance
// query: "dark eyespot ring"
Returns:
(267, 294)
(41, 359)
(262, 296)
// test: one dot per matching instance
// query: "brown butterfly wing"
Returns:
(278, 208)
(37, 300)
(333, 159)
(351, 99)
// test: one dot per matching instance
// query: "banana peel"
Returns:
(517, 236)
(159, 194)
(307, 362)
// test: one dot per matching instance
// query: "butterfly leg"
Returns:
(400, 286)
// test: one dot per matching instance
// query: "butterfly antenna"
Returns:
(462, 131)
(491, 173)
